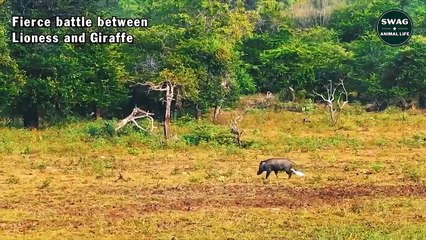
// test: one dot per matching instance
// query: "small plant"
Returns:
(105, 130)
(209, 133)
(26, 150)
(315, 179)
(356, 208)
(198, 165)
(44, 184)
(176, 171)
(12, 180)
(377, 167)
(417, 140)
(100, 166)
(381, 142)
(412, 175)
(132, 151)
(5, 148)
(212, 173)
(40, 166)
(184, 121)
(308, 106)
(195, 179)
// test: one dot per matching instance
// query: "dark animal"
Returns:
(276, 165)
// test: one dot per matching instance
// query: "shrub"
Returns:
(209, 133)
(106, 129)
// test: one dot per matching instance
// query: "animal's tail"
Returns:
(298, 173)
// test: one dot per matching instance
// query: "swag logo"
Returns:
(394, 27)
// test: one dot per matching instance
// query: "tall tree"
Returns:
(62, 78)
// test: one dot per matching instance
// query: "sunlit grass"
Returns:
(63, 182)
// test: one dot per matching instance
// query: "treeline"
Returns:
(214, 50)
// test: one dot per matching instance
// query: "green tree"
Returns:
(405, 79)
(198, 35)
(60, 78)
(306, 61)
(11, 79)
(369, 65)
(355, 20)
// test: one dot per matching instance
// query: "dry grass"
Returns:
(365, 179)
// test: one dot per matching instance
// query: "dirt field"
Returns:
(362, 182)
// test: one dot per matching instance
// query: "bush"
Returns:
(96, 130)
(209, 133)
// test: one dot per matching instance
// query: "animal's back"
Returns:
(280, 163)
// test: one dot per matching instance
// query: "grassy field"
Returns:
(365, 179)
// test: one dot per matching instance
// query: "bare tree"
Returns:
(216, 111)
(293, 94)
(405, 105)
(136, 114)
(330, 100)
(225, 86)
(169, 88)
(235, 129)
(197, 112)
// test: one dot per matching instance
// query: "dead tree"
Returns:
(330, 100)
(293, 94)
(136, 114)
(235, 129)
(216, 112)
(169, 88)
(406, 105)
(225, 86)
(198, 112)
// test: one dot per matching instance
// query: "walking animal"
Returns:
(276, 165)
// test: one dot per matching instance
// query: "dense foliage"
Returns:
(215, 50)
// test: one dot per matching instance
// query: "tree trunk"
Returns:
(58, 105)
(216, 113)
(332, 115)
(293, 95)
(179, 104)
(31, 117)
(167, 115)
(97, 112)
(422, 101)
(238, 137)
(197, 112)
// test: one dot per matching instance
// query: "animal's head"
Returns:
(261, 168)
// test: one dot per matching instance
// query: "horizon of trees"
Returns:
(213, 50)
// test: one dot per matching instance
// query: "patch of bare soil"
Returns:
(121, 202)
(225, 196)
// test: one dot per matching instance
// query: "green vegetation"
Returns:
(214, 51)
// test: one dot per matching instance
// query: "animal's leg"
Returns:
(276, 173)
(267, 174)
(289, 175)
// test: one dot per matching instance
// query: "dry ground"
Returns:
(365, 179)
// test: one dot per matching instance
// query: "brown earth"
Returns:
(141, 200)
(199, 196)
(121, 202)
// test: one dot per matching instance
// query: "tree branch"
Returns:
(235, 129)
(331, 92)
(137, 113)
